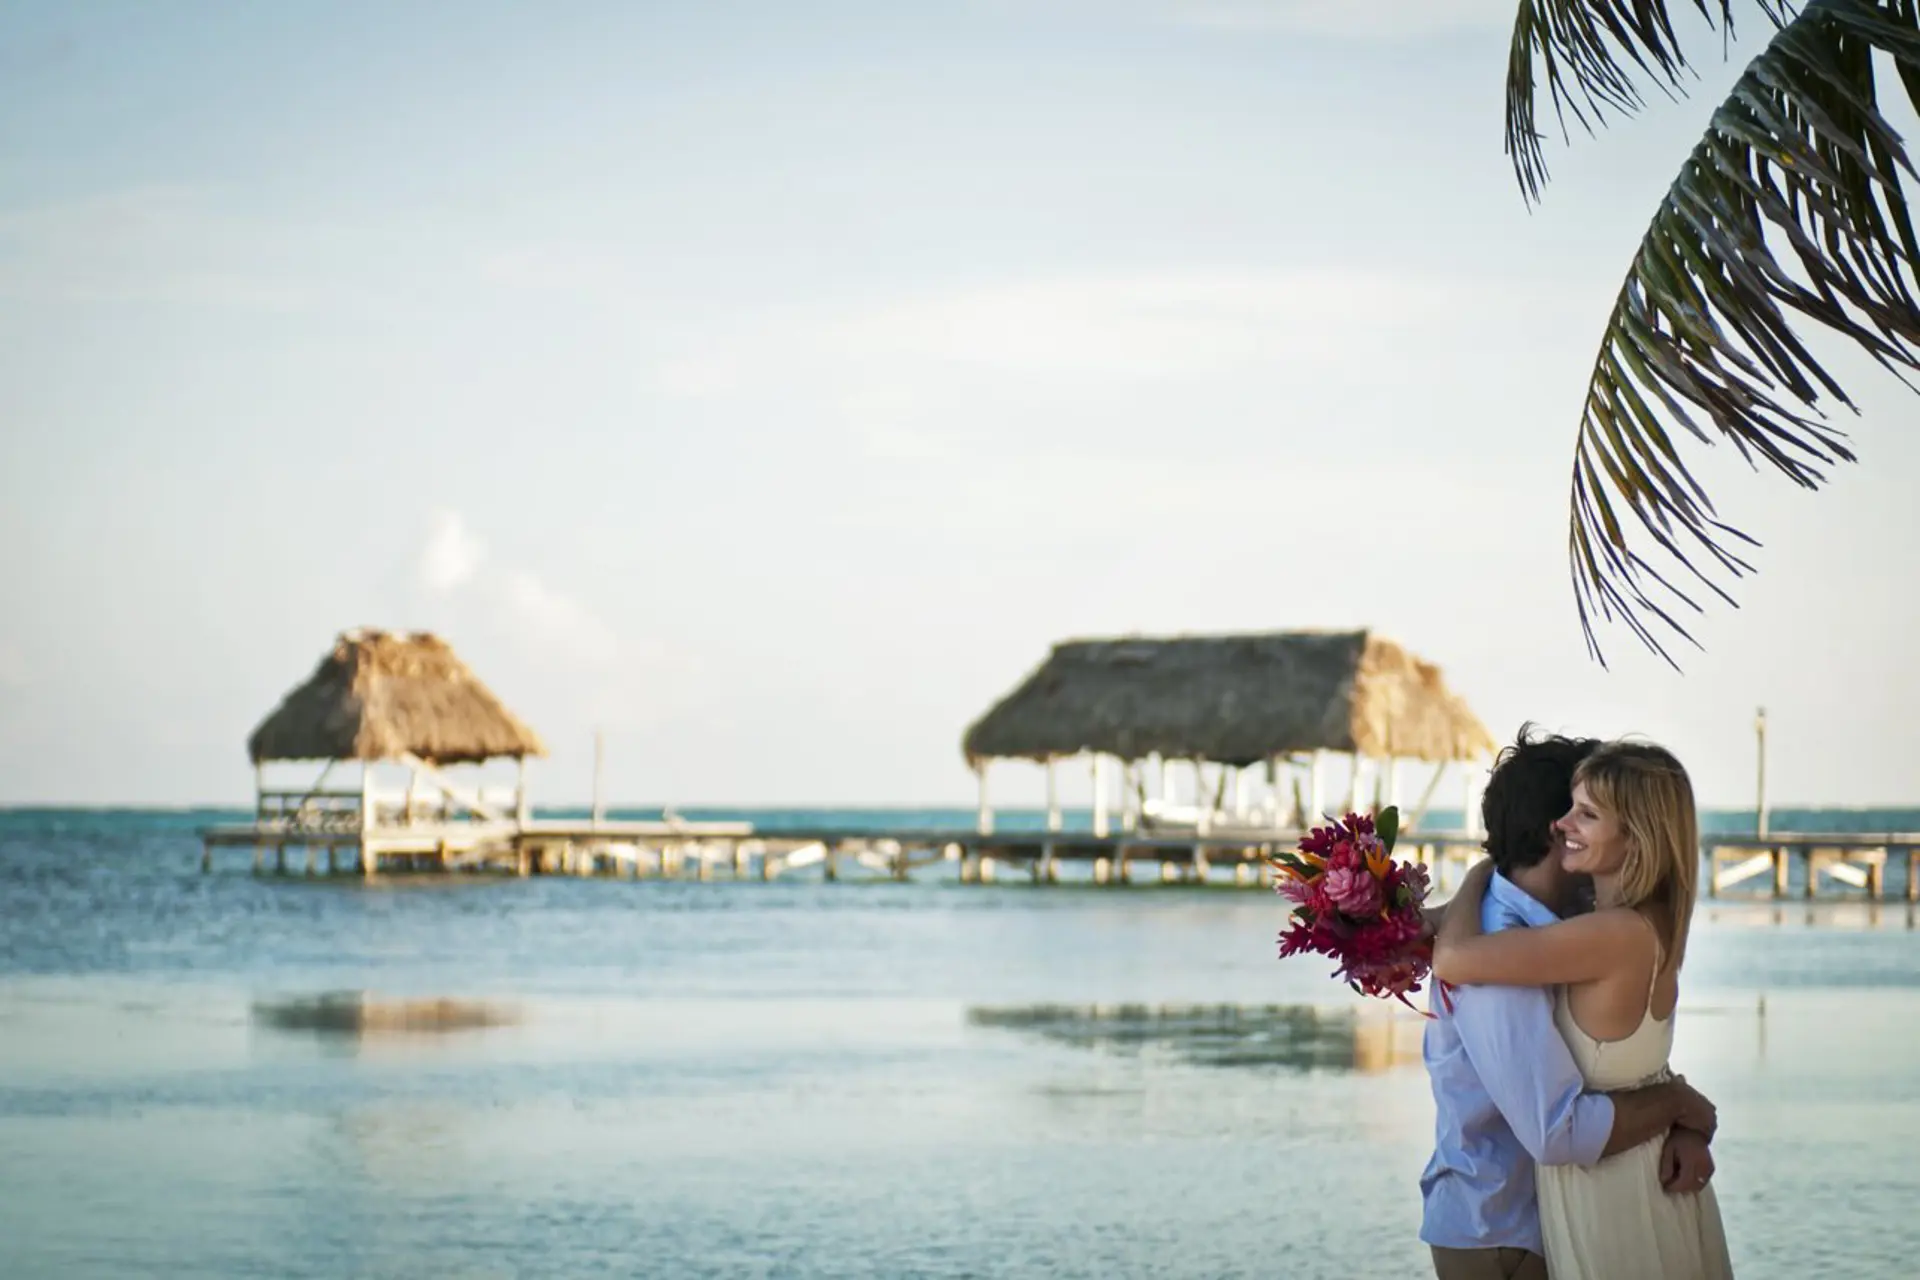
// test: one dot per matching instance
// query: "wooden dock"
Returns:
(1848, 864)
(709, 850)
(1774, 866)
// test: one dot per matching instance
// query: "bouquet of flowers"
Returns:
(1355, 903)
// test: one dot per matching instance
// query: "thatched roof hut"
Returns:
(379, 696)
(1233, 699)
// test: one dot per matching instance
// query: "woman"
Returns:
(1633, 829)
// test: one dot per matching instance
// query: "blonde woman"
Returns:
(1634, 830)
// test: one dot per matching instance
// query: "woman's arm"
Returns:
(1578, 950)
(1459, 917)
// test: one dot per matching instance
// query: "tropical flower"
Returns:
(1354, 891)
(1355, 903)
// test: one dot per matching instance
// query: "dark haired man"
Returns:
(1506, 1089)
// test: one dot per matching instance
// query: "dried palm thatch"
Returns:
(1233, 699)
(379, 696)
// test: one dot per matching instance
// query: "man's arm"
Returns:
(1640, 1115)
(1530, 1074)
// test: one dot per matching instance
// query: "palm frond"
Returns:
(1703, 335)
(1593, 52)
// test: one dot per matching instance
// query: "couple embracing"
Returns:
(1564, 1146)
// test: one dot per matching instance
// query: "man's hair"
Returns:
(1531, 788)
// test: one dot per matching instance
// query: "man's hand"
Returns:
(1696, 1111)
(1686, 1164)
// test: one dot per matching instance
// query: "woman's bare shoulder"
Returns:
(1626, 931)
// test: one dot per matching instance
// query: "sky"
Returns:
(769, 385)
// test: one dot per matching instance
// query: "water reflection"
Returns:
(358, 1014)
(1865, 915)
(1285, 1037)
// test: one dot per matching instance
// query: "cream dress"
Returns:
(1613, 1220)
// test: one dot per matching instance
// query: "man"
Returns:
(1506, 1089)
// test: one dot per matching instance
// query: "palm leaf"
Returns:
(1797, 167)
(1585, 48)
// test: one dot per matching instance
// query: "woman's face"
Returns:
(1591, 842)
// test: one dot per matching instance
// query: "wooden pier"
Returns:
(1281, 705)
(1776, 866)
(705, 851)
(1845, 863)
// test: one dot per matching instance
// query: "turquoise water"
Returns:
(222, 1076)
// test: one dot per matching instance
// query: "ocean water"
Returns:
(226, 1076)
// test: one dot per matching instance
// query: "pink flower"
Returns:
(1356, 904)
(1353, 890)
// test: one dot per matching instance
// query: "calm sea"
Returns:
(225, 1076)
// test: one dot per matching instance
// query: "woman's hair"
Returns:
(1645, 789)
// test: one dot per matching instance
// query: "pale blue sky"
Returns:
(772, 383)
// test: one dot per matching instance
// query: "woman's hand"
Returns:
(1460, 916)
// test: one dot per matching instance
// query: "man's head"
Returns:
(1531, 788)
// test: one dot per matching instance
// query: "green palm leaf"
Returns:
(1584, 47)
(1797, 166)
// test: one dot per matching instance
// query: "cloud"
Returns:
(557, 622)
(1075, 340)
(1374, 19)
(698, 377)
(13, 669)
(1147, 325)
(1403, 19)
(452, 555)
(557, 268)
(541, 618)
(158, 244)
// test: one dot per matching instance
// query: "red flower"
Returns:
(1362, 909)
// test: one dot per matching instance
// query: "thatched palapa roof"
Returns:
(1233, 699)
(380, 696)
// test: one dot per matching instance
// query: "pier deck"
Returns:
(1773, 866)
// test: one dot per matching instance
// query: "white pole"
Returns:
(369, 857)
(1760, 798)
(522, 805)
(1202, 799)
(1470, 805)
(1316, 794)
(1099, 794)
(599, 766)
(984, 822)
(1053, 796)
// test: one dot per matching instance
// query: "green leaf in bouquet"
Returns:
(1387, 826)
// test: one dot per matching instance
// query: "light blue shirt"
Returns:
(1508, 1095)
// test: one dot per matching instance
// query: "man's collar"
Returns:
(1519, 902)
